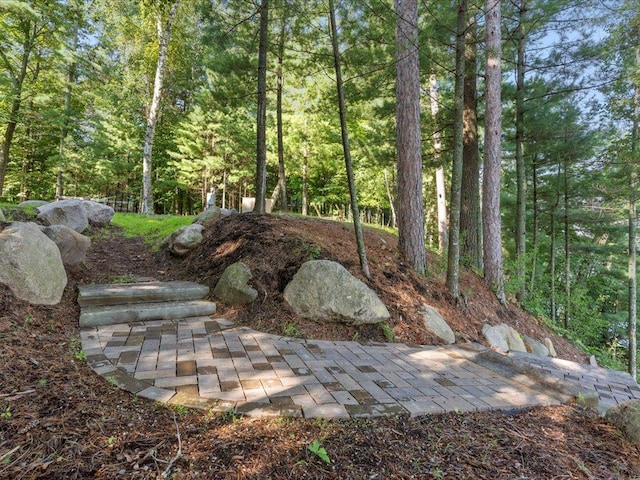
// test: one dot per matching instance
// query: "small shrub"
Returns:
(231, 416)
(387, 331)
(313, 252)
(290, 330)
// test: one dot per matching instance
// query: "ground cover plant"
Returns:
(58, 419)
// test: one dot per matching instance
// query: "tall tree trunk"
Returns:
(390, 198)
(535, 224)
(453, 265)
(633, 278)
(164, 35)
(17, 76)
(633, 226)
(64, 130)
(553, 309)
(364, 264)
(409, 200)
(224, 188)
(441, 197)
(261, 121)
(282, 181)
(305, 180)
(521, 183)
(567, 253)
(552, 269)
(470, 219)
(491, 223)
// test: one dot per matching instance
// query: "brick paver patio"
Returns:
(212, 364)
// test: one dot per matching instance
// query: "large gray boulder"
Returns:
(233, 287)
(32, 203)
(437, 325)
(209, 215)
(65, 212)
(536, 347)
(549, 344)
(183, 240)
(503, 338)
(626, 416)
(325, 291)
(31, 265)
(73, 246)
(98, 214)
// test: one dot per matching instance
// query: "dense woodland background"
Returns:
(77, 103)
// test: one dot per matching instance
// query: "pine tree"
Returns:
(491, 223)
(409, 201)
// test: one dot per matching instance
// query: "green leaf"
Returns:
(319, 451)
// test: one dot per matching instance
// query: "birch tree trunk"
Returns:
(491, 222)
(164, 35)
(441, 198)
(390, 198)
(409, 199)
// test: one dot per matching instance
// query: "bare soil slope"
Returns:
(274, 247)
(59, 420)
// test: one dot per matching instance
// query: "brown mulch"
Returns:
(274, 247)
(59, 420)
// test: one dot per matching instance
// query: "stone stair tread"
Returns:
(142, 292)
(93, 316)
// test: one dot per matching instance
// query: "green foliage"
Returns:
(76, 348)
(231, 416)
(180, 409)
(290, 330)
(317, 449)
(153, 228)
(13, 213)
(388, 332)
(313, 252)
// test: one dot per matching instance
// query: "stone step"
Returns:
(144, 292)
(93, 316)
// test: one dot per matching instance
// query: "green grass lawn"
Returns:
(153, 228)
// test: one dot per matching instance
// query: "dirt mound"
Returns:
(274, 247)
